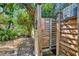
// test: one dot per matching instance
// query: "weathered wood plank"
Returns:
(71, 24)
(69, 38)
(69, 33)
(72, 53)
(66, 45)
(68, 28)
(69, 18)
(70, 43)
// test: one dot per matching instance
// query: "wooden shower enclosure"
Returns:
(62, 36)
(66, 36)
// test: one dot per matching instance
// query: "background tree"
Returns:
(48, 10)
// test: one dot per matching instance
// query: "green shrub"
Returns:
(7, 34)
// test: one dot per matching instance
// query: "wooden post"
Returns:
(78, 25)
(37, 49)
(50, 33)
(58, 35)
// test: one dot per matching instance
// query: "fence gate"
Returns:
(68, 44)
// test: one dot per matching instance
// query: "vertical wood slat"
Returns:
(50, 33)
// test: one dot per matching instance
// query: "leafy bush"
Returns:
(7, 34)
(24, 19)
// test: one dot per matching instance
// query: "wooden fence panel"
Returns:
(68, 37)
(47, 34)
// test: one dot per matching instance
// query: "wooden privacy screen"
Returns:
(68, 37)
(44, 34)
(47, 35)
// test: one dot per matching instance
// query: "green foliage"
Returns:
(24, 19)
(10, 8)
(22, 16)
(7, 34)
(47, 9)
(17, 16)
(21, 30)
(4, 18)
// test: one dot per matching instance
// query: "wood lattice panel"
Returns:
(68, 37)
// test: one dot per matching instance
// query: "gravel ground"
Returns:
(19, 47)
(27, 48)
